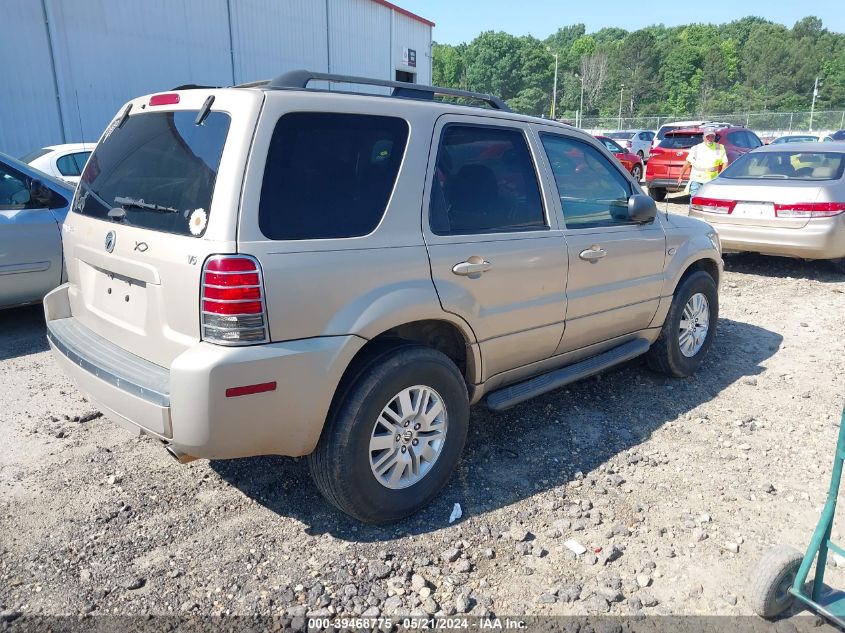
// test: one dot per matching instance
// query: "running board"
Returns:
(522, 391)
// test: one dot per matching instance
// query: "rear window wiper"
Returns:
(140, 204)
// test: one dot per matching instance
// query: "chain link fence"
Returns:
(763, 123)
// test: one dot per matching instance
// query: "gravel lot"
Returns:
(674, 487)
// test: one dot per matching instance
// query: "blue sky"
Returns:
(461, 20)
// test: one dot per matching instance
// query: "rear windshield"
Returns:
(794, 139)
(620, 135)
(680, 141)
(787, 165)
(159, 168)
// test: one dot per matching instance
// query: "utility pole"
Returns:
(621, 88)
(554, 90)
(581, 111)
(813, 105)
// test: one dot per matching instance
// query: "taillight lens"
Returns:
(809, 209)
(712, 205)
(233, 307)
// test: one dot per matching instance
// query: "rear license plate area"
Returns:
(758, 210)
(116, 297)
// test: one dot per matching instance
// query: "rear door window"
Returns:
(329, 175)
(484, 182)
(159, 167)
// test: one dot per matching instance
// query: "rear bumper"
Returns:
(670, 184)
(186, 405)
(820, 238)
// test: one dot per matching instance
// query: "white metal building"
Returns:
(68, 65)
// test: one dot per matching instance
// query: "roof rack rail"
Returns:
(301, 79)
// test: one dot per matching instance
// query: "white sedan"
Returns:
(61, 161)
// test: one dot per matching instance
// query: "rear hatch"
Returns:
(159, 195)
(667, 160)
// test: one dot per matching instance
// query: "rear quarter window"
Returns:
(329, 175)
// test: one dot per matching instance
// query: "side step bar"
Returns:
(522, 391)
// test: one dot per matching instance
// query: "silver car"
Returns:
(786, 199)
(33, 206)
(635, 141)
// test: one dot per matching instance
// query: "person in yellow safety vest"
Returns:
(705, 161)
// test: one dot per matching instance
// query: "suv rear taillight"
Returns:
(232, 304)
(712, 205)
(809, 209)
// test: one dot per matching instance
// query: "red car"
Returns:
(668, 158)
(631, 162)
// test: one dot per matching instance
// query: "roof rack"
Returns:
(301, 79)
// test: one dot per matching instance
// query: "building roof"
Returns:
(398, 9)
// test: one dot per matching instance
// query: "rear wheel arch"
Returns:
(438, 334)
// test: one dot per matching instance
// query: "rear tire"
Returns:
(771, 579)
(345, 462)
(839, 265)
(666, 354)
(657, 193)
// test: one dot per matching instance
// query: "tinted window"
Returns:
(28, 158)
(738, 139)
(329, 175)
(643, 136)
(753, 141)
(680, 141)
(72, 164)
(484, 182)
(621, 135)
(161, 159)
(786, 165)
(592, 191)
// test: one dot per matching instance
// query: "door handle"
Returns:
(475, 265)
(593, 254)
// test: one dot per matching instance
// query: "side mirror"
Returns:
(641, 208)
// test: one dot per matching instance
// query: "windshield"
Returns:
(156, 171)
(621, 135)
(680, 141)
(787, 165)
(794, 139)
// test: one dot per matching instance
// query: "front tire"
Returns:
(770, 582)
(394, 437)
(689, 328)
(658, 194)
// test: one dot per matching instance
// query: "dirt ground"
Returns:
(674, 487)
